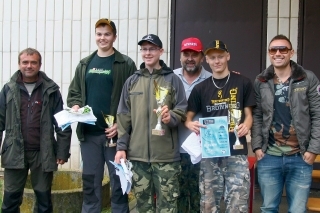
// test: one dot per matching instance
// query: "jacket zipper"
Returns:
(292, 118)
(273, 93)
(28, 118)
(149, 136)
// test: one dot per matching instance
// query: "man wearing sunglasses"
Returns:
(285, 131)
(98, 82)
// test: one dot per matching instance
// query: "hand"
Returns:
(309, 157)
(112, 131)
(75, 108)
(165, 114)
(119, 155)
(60, 161)
(242, 130)
(259, 154)
(194, 126)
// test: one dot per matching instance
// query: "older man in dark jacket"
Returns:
(27, 105)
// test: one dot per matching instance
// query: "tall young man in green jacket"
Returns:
(98, 82)
(154, 152)
(27, 105)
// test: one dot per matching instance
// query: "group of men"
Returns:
(155, 109)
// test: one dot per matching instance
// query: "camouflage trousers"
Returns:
(189, 199)
(226, 177)
(160, 179)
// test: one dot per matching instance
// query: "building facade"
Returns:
(63, 31)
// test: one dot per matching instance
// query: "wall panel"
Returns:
(63, 31)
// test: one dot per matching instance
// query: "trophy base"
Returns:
(111, 144)
(240, 146)
(159, 132)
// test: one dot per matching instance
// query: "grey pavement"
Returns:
(258, 201)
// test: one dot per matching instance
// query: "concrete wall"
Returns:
(283, 19)
(63, 31)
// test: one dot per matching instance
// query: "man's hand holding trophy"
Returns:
(236, 117)
(109, 119)
(160, 95)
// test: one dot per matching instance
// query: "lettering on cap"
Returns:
(190, 44)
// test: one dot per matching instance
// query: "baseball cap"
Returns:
(152, 39)
(191, 43)
(107, 22)
(216, 45)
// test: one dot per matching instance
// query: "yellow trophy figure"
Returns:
(236, 117)
(161, 94)
(109, 119)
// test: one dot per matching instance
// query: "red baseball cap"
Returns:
(191, 43)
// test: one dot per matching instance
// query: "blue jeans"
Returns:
(291, 171)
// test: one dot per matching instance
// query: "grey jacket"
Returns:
(304, 100)
(136, 118)
(51, 148)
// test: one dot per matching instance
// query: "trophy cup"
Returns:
(161, 94)
(236, 117)
(109, 119)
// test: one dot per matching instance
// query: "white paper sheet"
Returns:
(66, 117)
(192, 145)
(123, 170)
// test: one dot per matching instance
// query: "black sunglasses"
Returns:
(282, 49)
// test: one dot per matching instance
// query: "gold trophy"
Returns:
(161, 94)
(236, 117)
(109, 119)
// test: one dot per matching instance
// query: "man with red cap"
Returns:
(191, 73)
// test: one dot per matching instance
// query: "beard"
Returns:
(191, 69)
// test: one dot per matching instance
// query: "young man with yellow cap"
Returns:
(224, 94)
(98, 82)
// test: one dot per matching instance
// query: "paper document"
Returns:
(192, 146)
(123, 170)
(68, 116)
(215, 137)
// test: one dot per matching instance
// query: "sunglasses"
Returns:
(282, 49)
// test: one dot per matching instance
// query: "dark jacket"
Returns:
(51, 148)
(123, 67)
(304, 100)
(135, 113)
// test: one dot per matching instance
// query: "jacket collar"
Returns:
(43, 78)
(297, 73)
(162, 71)
(118, 57)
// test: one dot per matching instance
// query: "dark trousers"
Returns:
(189, 199)
(94, 155)
(15, 180)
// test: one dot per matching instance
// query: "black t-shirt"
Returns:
(99, 84)
(212, 102)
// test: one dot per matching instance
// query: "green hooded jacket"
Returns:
(136, 118)
(51, 148)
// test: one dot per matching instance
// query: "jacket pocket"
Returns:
(10, 154)
(135, 93)
(6, 145)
